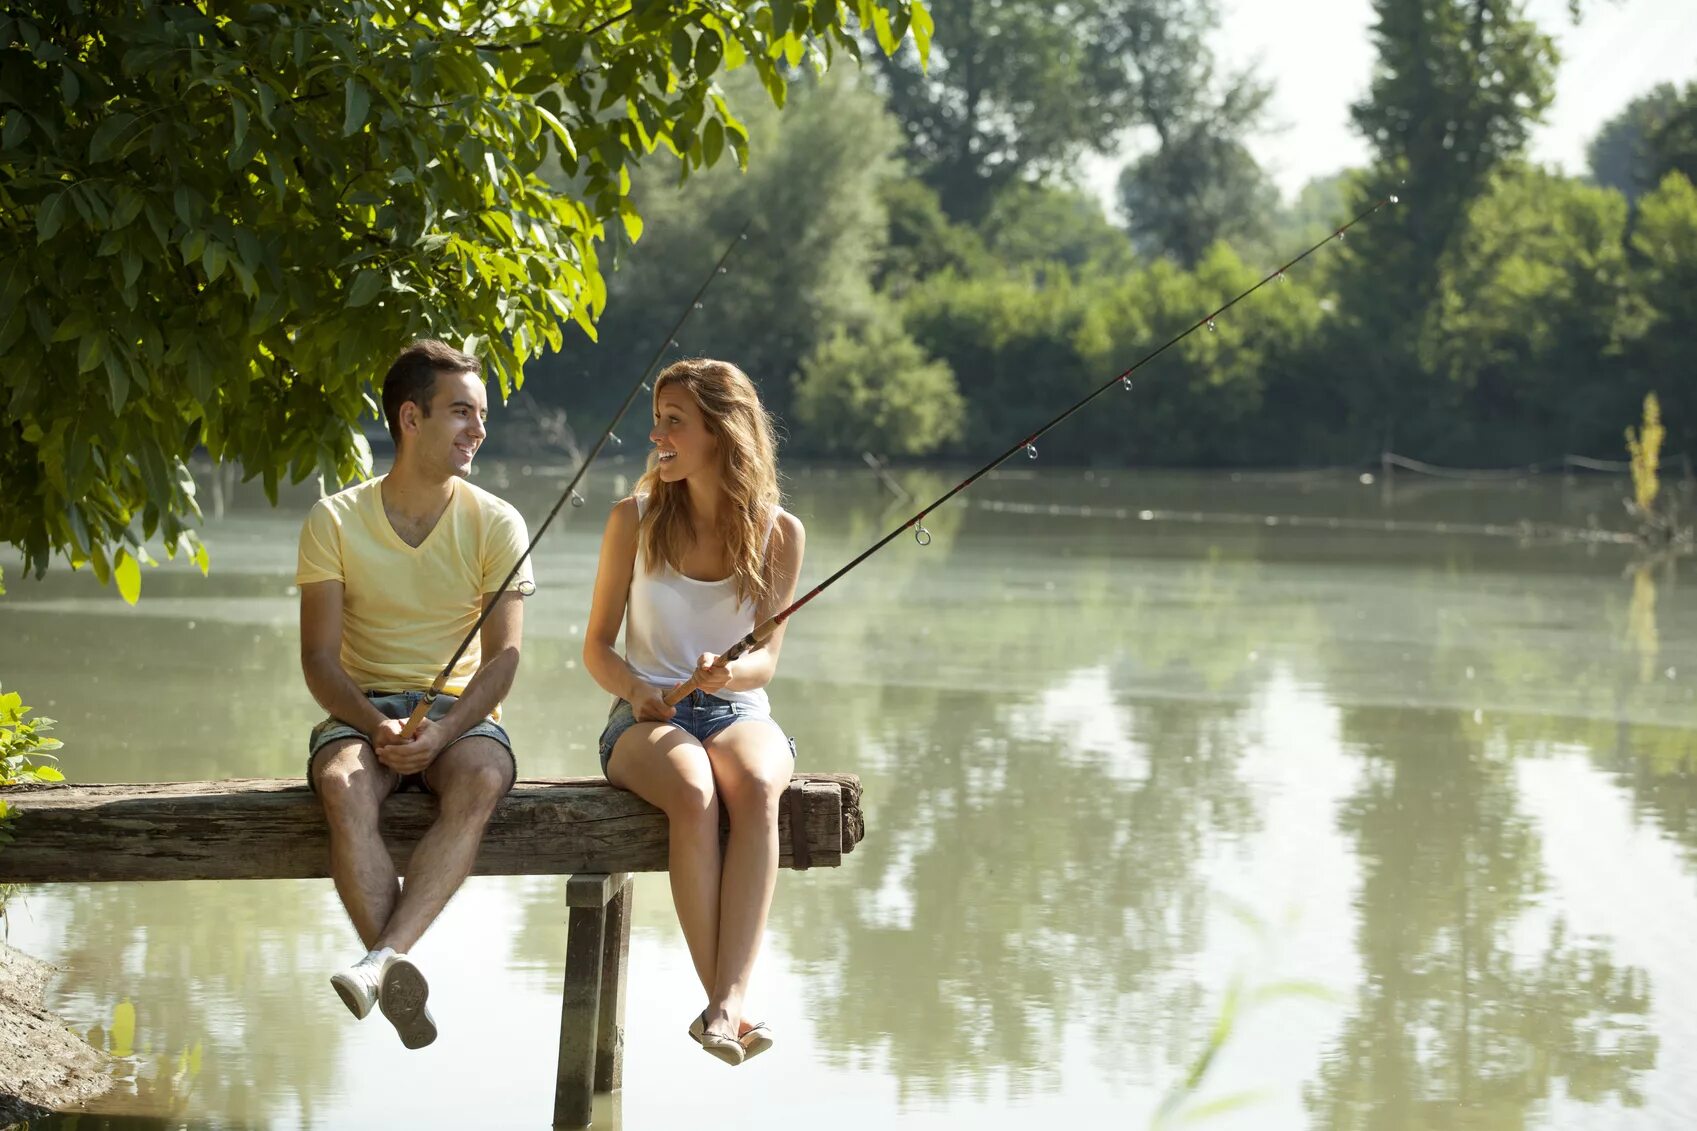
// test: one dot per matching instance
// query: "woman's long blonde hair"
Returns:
(748, 471)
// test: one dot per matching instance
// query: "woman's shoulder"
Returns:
(786, 527)
(627, 512)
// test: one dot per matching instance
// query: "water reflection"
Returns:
(1063, 727)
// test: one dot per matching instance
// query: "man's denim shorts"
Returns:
(701, 716)
(399, 705)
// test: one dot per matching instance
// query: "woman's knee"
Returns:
(692, 798)
(753, 793)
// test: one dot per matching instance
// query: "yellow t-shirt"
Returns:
(404, 608)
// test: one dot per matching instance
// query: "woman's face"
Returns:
(682, 444)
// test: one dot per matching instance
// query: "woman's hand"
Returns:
(711, 673)
(648, 704)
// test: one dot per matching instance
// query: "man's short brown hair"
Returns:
(413, 378)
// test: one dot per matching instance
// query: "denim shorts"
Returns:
(399, 705)
(701, 716)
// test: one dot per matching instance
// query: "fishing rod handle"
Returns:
(681, 692)
(755, 639)
(417, 716)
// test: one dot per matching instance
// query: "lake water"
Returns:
(1401, 822)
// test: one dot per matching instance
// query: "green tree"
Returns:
(873, 388)
(1199, 183)
(1457, 88)
(1019, 89)
(1531, 307)
(215, 225)
(816, 228)
(1664, 282)
(1620, 156)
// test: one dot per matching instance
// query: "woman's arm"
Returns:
(607, 613)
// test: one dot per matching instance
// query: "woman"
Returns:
(699, 555)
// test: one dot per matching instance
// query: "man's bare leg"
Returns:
(352, 784)
(469, 779)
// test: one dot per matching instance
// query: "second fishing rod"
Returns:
(763, 631)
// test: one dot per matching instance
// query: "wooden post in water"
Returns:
(593, 999)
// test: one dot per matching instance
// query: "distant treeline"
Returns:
(925, 281)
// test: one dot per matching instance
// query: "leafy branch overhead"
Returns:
(218, 222)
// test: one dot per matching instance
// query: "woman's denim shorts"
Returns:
(701, 716)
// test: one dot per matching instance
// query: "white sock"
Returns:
(378, 956)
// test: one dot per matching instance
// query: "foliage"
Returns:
(1199, 183)
(1018, 90)
(1532, 304)
(215, 227)
(1455, 92)
(1645, 446)
(1664, 280)
(1626, 155)
(1042, 225)
(24, 746)
(24, 758)
(815, 228)
(874, 389)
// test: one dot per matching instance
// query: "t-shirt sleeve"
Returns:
(505, 538)
(320, 557)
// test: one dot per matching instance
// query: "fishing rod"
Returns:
(763, 631)
(527, 588)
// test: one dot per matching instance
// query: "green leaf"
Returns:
(90, 350)
(357, 103)
(709, 50)
(365, 287)
(51, 215)
(631, 217)
(127, 572)
(105, 143)
(238, 114)
(213, 259)
(713, 141)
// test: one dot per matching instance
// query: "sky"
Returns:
(1320, 63)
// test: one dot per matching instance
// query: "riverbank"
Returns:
(44, 1065)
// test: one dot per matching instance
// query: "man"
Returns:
(393, 573)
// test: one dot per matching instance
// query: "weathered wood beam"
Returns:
(273, 828)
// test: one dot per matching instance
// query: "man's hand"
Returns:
(408, 756)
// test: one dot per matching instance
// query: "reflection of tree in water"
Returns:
(235, 968)
(1010, 885)
(1452, 1028)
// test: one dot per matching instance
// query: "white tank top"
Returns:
(671, 619)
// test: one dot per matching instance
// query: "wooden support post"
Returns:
(580, 999)
(615, 952)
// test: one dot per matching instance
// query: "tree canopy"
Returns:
(217, 221)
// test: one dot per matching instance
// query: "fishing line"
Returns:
(762, 632)
(527, 588)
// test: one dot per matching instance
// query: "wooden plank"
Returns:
(273, 828)
(580, 1009)
(615, 958)
(589, 890)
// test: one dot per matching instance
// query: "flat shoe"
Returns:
(719, 1046)
(757, 1040)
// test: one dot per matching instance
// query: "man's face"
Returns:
(449, 437)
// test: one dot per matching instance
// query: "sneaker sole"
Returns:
(403, 1000)
(350, 998)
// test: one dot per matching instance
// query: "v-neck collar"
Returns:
(388, 524)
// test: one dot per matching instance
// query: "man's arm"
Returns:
(499, 640)
(321, 658)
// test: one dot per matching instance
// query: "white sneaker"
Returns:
(360, 983)
(403, 1000)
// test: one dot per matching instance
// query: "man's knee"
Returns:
(477, 775)
(347, 782)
